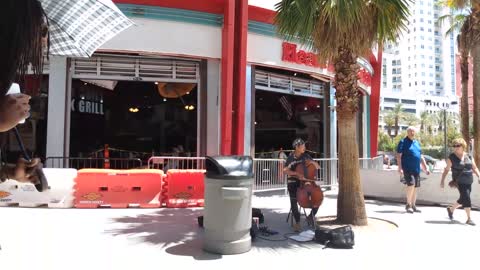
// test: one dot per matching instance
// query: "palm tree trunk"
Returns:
(350, 203)
(464, 101)
(396, 127)
(476, 86)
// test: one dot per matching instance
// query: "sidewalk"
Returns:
(159, 238)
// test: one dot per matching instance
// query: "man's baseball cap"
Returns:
(298, 142)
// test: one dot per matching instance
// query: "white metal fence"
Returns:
(371, 163)
(327, 175)
(184, 163)
(269, 174)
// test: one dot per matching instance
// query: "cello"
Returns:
(309, 194)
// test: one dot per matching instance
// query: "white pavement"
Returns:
(70, 239)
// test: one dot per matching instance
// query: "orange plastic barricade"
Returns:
(118, 188)
(183, 188)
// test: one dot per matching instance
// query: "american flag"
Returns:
(287, 106)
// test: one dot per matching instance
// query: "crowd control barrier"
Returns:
(118, 188)
(59, 195)
(184, 188)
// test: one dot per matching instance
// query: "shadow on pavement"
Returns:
(391, 211)
(177, 231)
(443, 222)
(166, 227)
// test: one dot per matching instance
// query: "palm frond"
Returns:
(455, 21)
(331, 24)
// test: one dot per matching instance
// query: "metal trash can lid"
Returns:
(229, 167)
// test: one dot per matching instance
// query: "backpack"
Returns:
(341, 237)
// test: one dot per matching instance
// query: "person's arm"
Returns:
(13, 109)
(445, 172)
(399, 156)
(424, 165)
(475, 170)
(23, 171)
(289, 172)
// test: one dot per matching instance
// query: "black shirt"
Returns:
(462, 169)
(292, 162)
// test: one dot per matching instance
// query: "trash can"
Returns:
(228, 204)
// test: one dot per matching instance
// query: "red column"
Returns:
(227, 77)
(239, 81)
(375, 101)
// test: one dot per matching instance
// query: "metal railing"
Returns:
(184, 163)
(375, 163)
(327, 175)
(93, 163)
(269, 174)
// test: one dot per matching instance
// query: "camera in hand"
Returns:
(15, 89)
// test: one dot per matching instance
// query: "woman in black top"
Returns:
(23, 40)
(463, 167)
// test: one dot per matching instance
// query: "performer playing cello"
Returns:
(298, 157)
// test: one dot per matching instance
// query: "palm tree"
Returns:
(425, 120)
(461, 22)
(399, 116)
(473, 30)
(340, 31)
(389, 120)
(410, 119)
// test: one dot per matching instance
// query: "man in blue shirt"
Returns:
(409, 156)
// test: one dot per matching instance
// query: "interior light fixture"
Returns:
(133, 110)
(305, 109)
(156, 83)
(164, 100)
(189, 107)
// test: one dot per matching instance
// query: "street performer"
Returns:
(294, 159)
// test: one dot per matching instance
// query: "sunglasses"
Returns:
(457, 145)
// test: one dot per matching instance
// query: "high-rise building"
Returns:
(420, 66)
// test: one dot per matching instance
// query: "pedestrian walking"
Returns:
(409, 156)
(463, 167)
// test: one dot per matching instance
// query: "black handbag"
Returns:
(341, 237)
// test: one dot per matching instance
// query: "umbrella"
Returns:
(174, 90)
(78, 27)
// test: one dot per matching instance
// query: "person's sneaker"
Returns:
(408, 209)
(296, 227)
(470, 222)
(415, 209)
(450, 213)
